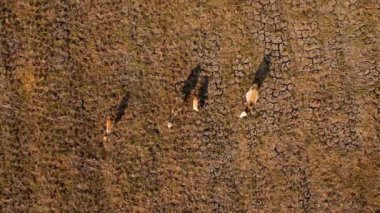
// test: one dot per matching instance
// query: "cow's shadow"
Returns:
(120, 110)
(191, 82)
(263, 71)
(203, 92)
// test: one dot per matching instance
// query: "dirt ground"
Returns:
(311, 143)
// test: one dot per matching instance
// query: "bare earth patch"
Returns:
(87, 89)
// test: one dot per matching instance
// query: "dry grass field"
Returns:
(87, 89)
